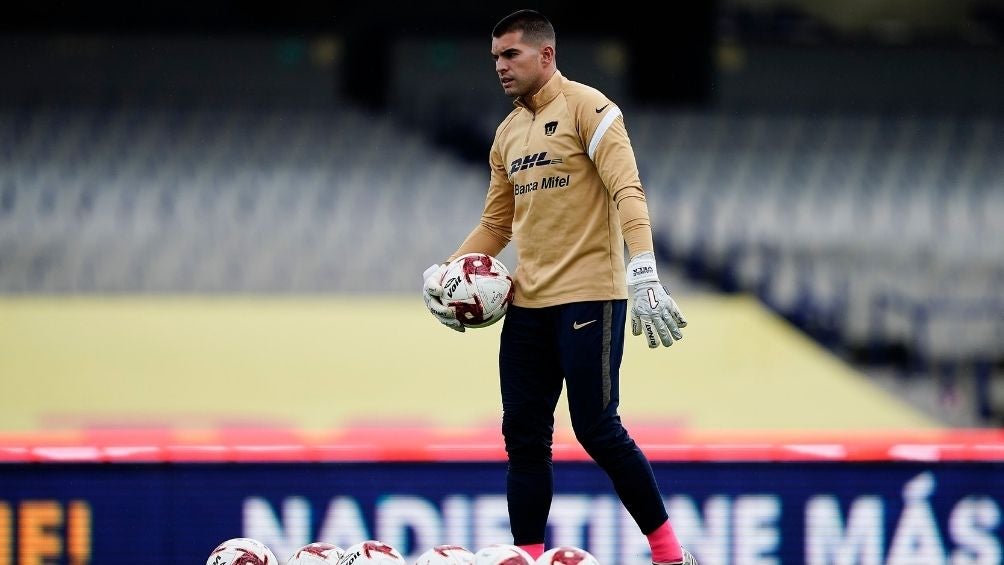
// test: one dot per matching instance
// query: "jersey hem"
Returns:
(568, 300)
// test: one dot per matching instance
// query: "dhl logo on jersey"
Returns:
(533, 160)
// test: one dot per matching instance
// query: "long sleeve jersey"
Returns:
(565, 186)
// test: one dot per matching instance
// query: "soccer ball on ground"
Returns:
(566, 555)
(242, 551)
(479, 288)
(371, 552)
(446, 555)
(316, 553)
(502, 554)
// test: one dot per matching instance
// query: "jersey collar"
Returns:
(546, 93)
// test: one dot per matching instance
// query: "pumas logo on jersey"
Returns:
(533, 160)
(550, 128)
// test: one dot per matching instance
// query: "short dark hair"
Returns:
(535, 27)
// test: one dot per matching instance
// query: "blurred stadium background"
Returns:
(213, 221)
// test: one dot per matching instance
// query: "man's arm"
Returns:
(490, 236)
(654, 313)
(494, 231)
(609, 147)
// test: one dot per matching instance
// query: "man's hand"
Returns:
(432, 292)
(654, 312)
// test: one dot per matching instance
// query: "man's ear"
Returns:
(547, 54)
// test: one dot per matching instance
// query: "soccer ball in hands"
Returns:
(243, 551)
(316, 553)
(566, 555)
(479, 288)
(371, 552)
(502, 554)
(446, 555)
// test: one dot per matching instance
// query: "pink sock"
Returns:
(535, 549)
(665, 547)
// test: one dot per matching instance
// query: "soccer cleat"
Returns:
(688, 559)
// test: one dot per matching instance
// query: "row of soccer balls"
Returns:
(247, 551)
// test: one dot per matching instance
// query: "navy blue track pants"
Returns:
(581, 345)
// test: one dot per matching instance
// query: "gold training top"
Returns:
(564, 185)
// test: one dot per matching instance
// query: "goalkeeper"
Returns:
(565, 185)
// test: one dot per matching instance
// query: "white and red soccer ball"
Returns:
(566, 555)
(446, 555)
(502, 554)
(317, 553)
(371, 552)
(242, 551)
(479, 288)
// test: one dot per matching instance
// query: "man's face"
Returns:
(520, 66)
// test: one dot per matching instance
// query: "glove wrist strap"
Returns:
(641, 269)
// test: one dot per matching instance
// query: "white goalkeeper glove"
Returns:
(654, 312)
(433, 291)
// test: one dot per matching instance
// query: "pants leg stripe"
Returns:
(607, 320)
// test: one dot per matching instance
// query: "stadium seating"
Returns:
(875, 233)
(174, 201)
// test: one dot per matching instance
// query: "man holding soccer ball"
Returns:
(565, 184)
